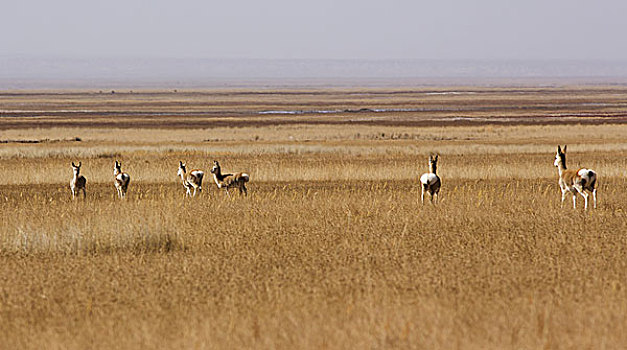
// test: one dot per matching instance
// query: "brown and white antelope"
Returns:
(121, 180)
(573, 181)
(430, 181)
(193, 179)
(78, 182)
(226, 181)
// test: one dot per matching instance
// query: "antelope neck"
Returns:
(219, 175)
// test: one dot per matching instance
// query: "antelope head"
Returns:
(182, 169)
(433, 163)
(76, 168)
(560, 157)
(117, 168)
(216, 167)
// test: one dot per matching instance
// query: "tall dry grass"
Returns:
(331, 249)
(486, 152)
(340, 264)
(320, 162)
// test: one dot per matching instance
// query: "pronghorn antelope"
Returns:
(121, 179)
(227, 181)
(430, 181)
(193, 179)
(574, 181)
(78, 182)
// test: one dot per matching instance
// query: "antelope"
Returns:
(78, 182)
(121, 179)
(227, 181)
(191, 180)
(573, 181)
(430, 181)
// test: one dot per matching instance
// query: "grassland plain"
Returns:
(331, 249)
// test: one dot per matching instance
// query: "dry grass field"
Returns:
(331, 248)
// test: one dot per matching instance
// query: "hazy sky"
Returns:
(362, 29)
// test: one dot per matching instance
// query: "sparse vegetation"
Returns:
(330, 248)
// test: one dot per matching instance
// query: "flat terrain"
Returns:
(332, 247)
(381, 107)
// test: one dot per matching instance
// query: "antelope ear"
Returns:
(564, 148)
(436, 157)
(559, 149)
(79, 164)
(180, 163)
(73, 165)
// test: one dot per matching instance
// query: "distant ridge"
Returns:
(17, 72)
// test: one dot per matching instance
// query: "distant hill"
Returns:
(18, 72)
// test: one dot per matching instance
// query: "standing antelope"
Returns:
(227, 181)
(430, 181)
(191, 180)
(121, 179)
(78, 182)
(574, 181)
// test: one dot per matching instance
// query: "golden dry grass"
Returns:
(331, 249)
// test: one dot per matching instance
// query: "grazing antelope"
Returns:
(573, 181)
(430, 181)
(121, 179)
(227, 181)
(191, 180)
(78, 182)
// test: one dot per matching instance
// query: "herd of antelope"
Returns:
(580, 181)
(191, 180)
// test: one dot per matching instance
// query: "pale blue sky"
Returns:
(394, 29)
